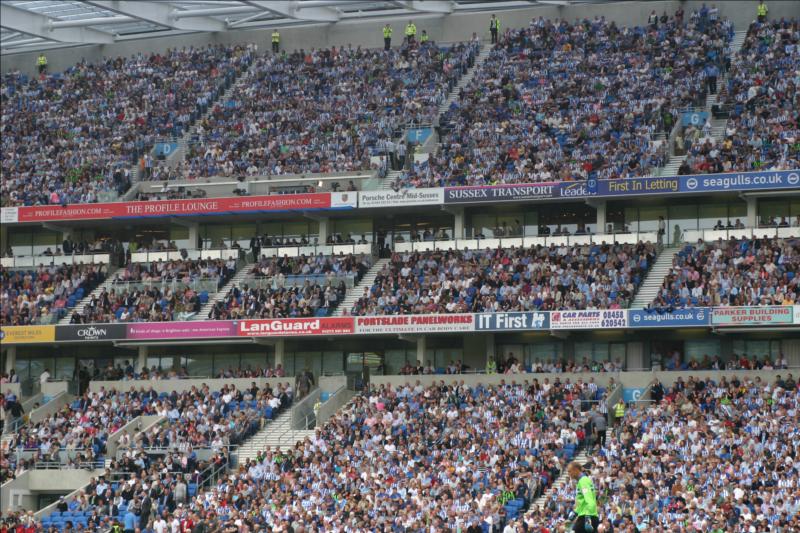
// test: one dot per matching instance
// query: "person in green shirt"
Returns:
(584, 515)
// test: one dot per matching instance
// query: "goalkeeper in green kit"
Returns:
(584, 516)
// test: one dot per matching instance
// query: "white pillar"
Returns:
(422, 347)
(280, 347)
(11, 358)
(600, 223)
(323, 230)
(458, 223)
(634, 355)
(490, 347)
(752, 212)
(194, 237)
(791, 351)
(142, 361)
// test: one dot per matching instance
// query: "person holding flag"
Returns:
(584, 516)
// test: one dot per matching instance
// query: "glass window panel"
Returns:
(683, 216)
(64, 368)
(710, 214)
(617, 352)
(508, 351)
(38, 365)
(600, 352)
(354, 228)
(698, 349)
(309, 360)
(544, 352)
(217, 234)
(483, 224)
(395, 360)
(254, 361)
(583, 350)
(22, 368)
(289, 363)
(295, 230)
(332, 363)
(531, 222)
(648, 218)
(630, 220)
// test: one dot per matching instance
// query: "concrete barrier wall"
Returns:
(70, 481)
(51, 407)
(365, 31)
(326, 383)
(52, 388)
(14, 494)
(134, 427)
(334, 403)
(628, 379)
(11, 387)
(183, 385)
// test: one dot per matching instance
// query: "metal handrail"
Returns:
(296, 280)
(197, 285)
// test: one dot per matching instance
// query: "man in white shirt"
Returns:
(160, 525)
(44, 377)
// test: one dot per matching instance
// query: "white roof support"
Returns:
(295, 10)
(161, 13)
(37, 25)
(428, 6)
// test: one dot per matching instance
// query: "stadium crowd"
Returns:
(72, 137)
(408, 458)
(560, 102)
(78, 434)
(44, 294)
(292, 287)
(705, 456)
(735, 272)
(579, 277)
(761, 101)
(157, 292)
(323, 110)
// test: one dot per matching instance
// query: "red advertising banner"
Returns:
(180, 330)
(163, 208)
(295, 327)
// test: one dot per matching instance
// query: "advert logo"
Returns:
(92, 333)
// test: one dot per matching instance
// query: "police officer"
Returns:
(276, 41)
(411, 31)
(761, 11)
(387, 37)
(424, 37)
(41, 62)
(494, 28)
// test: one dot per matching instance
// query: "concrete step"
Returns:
(391, 177)
(236, 280)
(484, 53)
(654, 278)
(358, 289)
(81, 305)
(559, 482)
